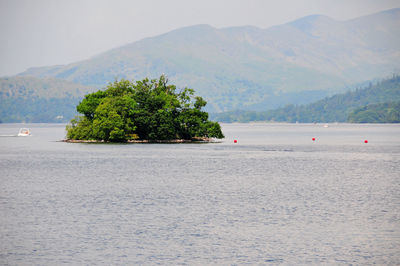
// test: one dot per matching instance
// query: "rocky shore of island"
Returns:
(194, 140)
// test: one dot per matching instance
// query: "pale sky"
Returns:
(54, 32)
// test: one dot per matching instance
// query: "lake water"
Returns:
(274, 197)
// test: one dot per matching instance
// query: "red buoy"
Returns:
(365, 141)
(235, 141)
(313, 139)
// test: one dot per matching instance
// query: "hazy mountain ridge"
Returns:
(359, 105)
(31, 99)
(252, 68)
(29, 86)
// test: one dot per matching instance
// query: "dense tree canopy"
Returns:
(146, 110)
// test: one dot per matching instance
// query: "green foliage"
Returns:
(89, 104)
(80, 128)
(336, 108)
(213, 129)
(147, 109)
(376, 113)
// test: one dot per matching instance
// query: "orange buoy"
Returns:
(235, 141)
(365, 141)
(313, 139)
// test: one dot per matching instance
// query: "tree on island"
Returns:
(145, 110)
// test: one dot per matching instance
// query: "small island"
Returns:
(142, 112)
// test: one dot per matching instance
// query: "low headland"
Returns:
(148, 111)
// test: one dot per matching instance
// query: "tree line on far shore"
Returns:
(376, 103)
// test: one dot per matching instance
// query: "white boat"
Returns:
(24, 132)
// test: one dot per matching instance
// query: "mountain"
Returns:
(251, 68)
(30, 99)
(28, 87)
(360, 105)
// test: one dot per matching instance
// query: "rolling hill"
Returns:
(360, 105)
(30, 99)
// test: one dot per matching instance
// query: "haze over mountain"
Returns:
(245, 68)
(31, 99)
(359, 105)
(252, 68)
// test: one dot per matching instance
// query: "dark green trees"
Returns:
(376, 113)
(146, 110)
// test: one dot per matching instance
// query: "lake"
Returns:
(274, 197)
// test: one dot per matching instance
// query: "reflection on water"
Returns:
(275, 197)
